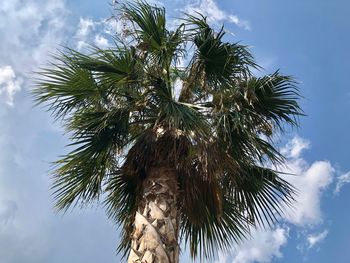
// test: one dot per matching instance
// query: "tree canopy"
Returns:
(148, 101)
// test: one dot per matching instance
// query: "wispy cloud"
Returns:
(341, 181)
(85, 26)
(9, 84)
(214, 14)
(29, 30)
(84, 29)
(101, 41)
(295, 147)
(316, 238)
(263, 247)
(97, 32)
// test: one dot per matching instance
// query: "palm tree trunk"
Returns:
(156, 225)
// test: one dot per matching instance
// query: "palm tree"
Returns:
(177, 153)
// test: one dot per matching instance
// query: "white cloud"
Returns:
(310, 181)
(9, 85)
(96, 32)
(214, 14)
(263, 247)
(294, 148)
(313, 239)
(101, 41)
(341, 181)
(29, 30)
(85, 26)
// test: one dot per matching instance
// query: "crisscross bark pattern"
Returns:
(154, 239)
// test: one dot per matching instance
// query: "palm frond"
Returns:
(215, 62)
(149, 23)
(67, 87)
(210, 234)
(262, 194)
(275, 97)
(210, 221)
(238, 135)
(184, 117)
(98, 136)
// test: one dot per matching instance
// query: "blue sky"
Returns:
(307, 39)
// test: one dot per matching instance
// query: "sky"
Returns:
(309, 40)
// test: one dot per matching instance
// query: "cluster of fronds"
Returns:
(125, 115)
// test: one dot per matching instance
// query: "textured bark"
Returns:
(154, 239)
